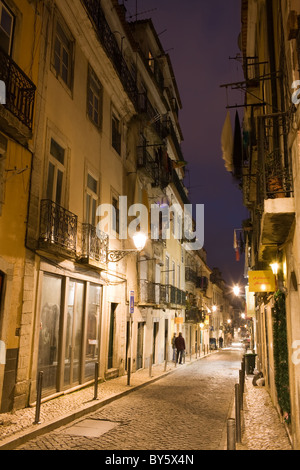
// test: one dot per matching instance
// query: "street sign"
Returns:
(262, 281)
(131, 301)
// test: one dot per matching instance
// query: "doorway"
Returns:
(140, 345)
(166, 338)
(110, 361)
(74, 324)
(155, 333)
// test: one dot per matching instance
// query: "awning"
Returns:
(237, 154)
(227, 143)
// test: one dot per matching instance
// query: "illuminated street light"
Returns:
(236, 290)
(139, 240)
(275, 268)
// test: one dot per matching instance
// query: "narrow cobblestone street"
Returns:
(186, 410)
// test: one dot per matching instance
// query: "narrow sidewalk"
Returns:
(262, 428)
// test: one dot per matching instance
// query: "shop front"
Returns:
(68, 333)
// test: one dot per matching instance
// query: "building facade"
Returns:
(19, 52)
(89, 153)
(266, 164)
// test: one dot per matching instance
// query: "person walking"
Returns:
(220, 342)
(180, 346)
(174, 347)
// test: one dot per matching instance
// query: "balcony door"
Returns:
(140, 345)
(56, 173)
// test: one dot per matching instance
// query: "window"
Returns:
(151, 61)
(6, 28)
(94, 98)
(56, 173)
(116, 215)
(91, 200)
(63, 53)
(116, 134)
(1, 285)
(173, 274)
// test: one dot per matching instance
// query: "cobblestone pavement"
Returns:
(211, 389)
(263, 429)
(186, 410)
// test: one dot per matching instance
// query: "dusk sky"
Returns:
(200, 36)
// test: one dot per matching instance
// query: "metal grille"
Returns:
(58, 226)
(20, 91)
(94, 244)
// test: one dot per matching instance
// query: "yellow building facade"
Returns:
(19, 54)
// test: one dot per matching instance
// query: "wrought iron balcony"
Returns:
(20, 91)
(158, 168)
(94, 245)
(175, 295)
(161, 294)
(111, 47)
(58, 229)
(202, 283)
(145, 162)
(154, 118)
(180, 188)
(190, 275)
(169, 130)
(149, 294)
(194, 315)
(275, 191)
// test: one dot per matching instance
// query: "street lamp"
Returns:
(275, 268)
(139, 239)
(236, 291)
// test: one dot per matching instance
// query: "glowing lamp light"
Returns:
(214, 309)
(275, 268)
(236, 290)
(139, 240)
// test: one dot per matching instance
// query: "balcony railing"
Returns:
(190, 275)
(148, 292)
(146, 162)
(180, 188)
(158, 168)
(111, 47)
(20, 91)
(175, 295)
(160, 294)
(194, 315)
(169, 129)
(58, 228)
(202, 283)
(275, 179)
(94, 244)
